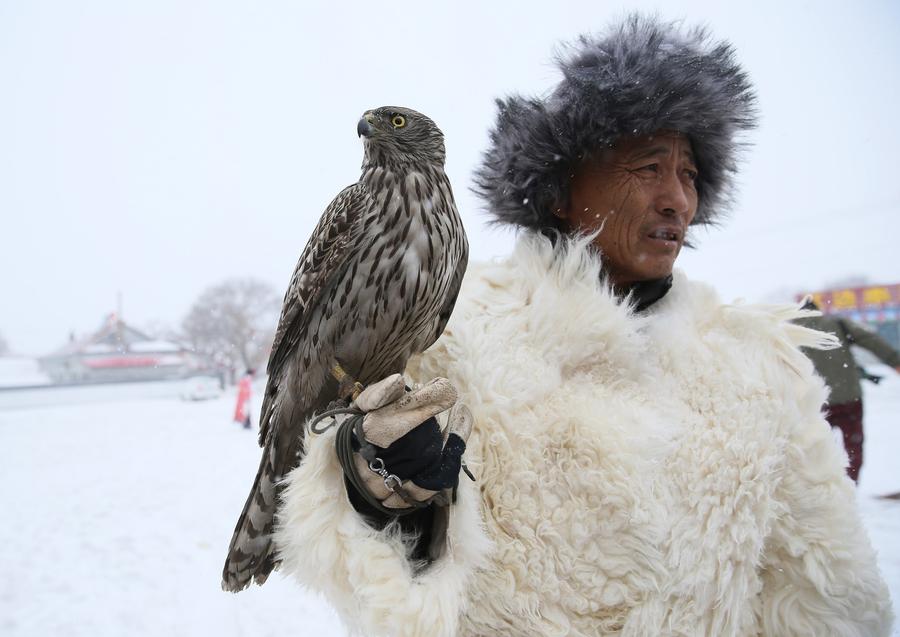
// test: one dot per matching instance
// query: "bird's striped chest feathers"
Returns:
(399, 278)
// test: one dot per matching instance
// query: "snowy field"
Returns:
(118, 506)
(21, 371)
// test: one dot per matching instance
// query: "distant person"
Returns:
(242, 408)
(839, 370)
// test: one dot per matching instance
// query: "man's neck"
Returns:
(645, 293)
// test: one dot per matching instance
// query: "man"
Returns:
(649, 461)
(838, 368)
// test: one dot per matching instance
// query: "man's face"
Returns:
(641, 196)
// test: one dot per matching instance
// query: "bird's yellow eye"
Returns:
(398, 121)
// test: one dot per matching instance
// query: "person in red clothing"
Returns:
(242, 408)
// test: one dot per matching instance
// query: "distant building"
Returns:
(877, 306)
(118, 352)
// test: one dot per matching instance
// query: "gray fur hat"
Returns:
(640, 77)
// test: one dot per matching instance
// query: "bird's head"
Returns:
(397, 135)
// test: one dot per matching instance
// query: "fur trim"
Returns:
(366, 574)
(640, 77)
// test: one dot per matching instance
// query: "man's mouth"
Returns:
(666, 234)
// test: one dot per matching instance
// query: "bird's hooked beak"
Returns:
(364, 128)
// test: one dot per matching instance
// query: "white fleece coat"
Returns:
(667, 473)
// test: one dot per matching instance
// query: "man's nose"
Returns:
(672, 195)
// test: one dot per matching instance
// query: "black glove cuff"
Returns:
(446, 474)
(413, 453)
(344, 447)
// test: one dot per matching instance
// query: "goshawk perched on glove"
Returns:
(375, 284)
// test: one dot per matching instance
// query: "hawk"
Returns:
(375, 284)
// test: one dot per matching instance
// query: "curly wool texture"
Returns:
(666, 474)
(367, 574)
(641, 77)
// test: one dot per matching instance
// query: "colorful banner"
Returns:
(870, 304)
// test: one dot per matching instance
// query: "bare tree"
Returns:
(233, 323)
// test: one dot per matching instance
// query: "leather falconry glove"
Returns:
(394, 452)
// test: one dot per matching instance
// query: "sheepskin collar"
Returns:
(568, 265)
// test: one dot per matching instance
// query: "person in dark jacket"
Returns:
(844, 409)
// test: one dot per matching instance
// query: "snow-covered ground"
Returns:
(117, 508)
(881, 475)
(116, 516)
(19, 371)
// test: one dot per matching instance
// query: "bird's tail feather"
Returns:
(250, 553)
(251, 556)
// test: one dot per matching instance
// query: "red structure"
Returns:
(117, 352)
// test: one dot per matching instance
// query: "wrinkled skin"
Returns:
(640, 196)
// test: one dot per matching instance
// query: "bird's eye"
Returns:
(398, 121)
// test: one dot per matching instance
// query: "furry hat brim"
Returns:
(640, 77)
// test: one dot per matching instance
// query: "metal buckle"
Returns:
(392, 478)
(391, 482)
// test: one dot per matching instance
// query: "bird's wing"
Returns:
(284, 410)
(321, 263)
(315, 269)
(440, 322)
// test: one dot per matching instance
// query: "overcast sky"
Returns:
(156, 148)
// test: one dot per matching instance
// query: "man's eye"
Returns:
(691, 174)
(654, 168)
